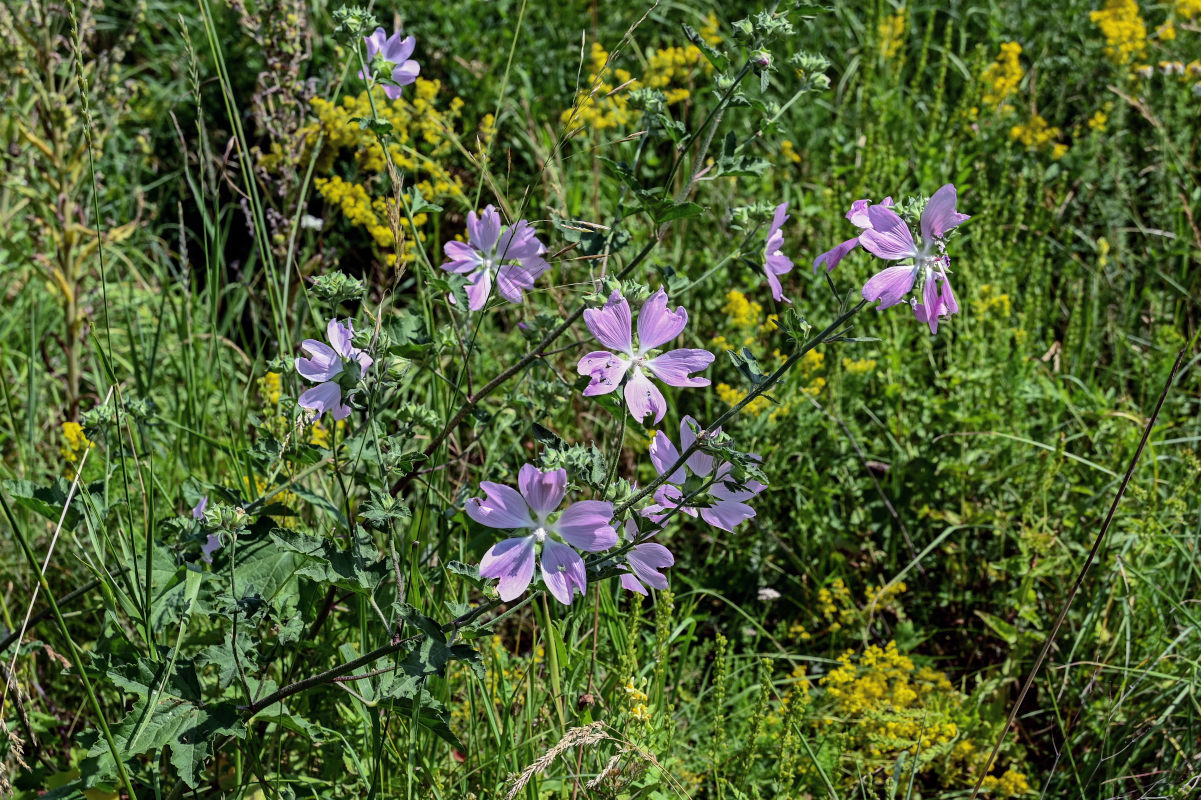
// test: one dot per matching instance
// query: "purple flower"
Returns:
(211, 545)
(859, 218)
(657, 326)
(334, 368)
(890, 238)
(723, 508)
(776, 263)
(643, 562)
(395, 51)
(586, 525)
(512, 254)
(198, 509)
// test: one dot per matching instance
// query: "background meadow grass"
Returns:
(932, 498)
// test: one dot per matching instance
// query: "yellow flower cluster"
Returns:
(1098, 121)
(1037, 134)
(1001, 78)
(75, 442)
(858, 366)
(603, 101)
(637, 699)
(1011, 784)
(262, 488)
(270, 388)
(990, 300)
(742, 312)
(892, 33)
(1188, 8)
(788, 151)
(1123, 28)
(423, 136)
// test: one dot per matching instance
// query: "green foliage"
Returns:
(930, 500)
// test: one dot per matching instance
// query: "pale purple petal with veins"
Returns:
(211, 545)
(890, 285)
(700, 463)
(831, 257)
(645, 561)
(512, 561)
(663, 454)
(726, 488)
(339, 336)
(726, 514)
(543, 491)
(775, 263)
(948, 297)
(323, 363)
(605, 369)
(463, 257)
(940, 215)
(511, 279)
(611, 324)
(888, 237)
(563, 571)
(483, 230)
(501, 507)
(479, 289)
(587, 525)
(656, 325)
(923, 314)
(674, 366)
(643, 397)
(325, 397)
(198, 509)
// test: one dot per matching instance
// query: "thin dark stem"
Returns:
(1088, 562)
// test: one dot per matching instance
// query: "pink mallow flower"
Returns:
(859, 218)
(721, 505)
(512, 254)
(396, 51)
(585, 525)
(775, 263)
(643, 562)
(890, 238)
(611, 325)
(335, 368)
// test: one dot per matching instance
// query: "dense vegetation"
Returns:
(238, 563)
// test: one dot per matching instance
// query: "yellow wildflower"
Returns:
(1123, 28)
(1002, 77)
(1166, 32)
(788, 151)
(1097, 121)
(858, 366)
(1188, 8)
(1011, 784)
(270, 388)
(892, 33)
(75, 442)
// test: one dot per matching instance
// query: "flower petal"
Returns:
(211, 545)
(325, 397)
(726, 514)
(674, 366)
(484, 230)
(323, 363)
(940, 215)
(406, 73)
(511, 279)
(501, 507)
(339, 336)
(563, 571)
(588, 525)
(479, 289)
(606, 370)
(923, 314)
(657, 325)
(663, 454)
(700, 463)
(644, 397)
(198, 509)
(831, 257)
(949, 306)
(610, 323)
(889, 285)
(630, 582)
(888, 237)
(512, 561)
(543, 491)
(646, 560)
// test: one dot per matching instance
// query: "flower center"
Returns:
(539, 534)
